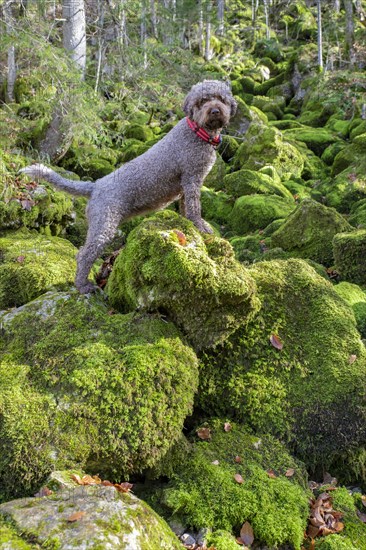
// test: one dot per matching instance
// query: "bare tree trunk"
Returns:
(220, 16)
(337, 6)
(350, 30)
(208, 51)
(100, 42)
(320, 36)
(200, 28)
(266, 13)
(74, 32)
(122, 31)
(154, 24)
(12, 69)
(143, 32)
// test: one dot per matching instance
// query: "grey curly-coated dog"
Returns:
(174, 168)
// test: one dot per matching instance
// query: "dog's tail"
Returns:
(39, 171)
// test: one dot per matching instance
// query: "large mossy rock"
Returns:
(204, 491)
(107, 519)
(25, 203)
(79, 385)
(317, 139)
(252, 212)
(248, 182)
(168, 266)
(265, 146)
(308, 232)
(310, 391)
(31, 263)
(349, 253)
(356, 299)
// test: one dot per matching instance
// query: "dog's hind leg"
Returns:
(100, 233)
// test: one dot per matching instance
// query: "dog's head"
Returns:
(210, 104)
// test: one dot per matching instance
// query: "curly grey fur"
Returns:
(174, 168)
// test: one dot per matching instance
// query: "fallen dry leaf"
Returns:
(204, 433)
(237, 459)
(77, 478)
(312, 531)
(363, 498)
(271, 473)
(182, 239)
(76, 516)
(238, 478)
(44, 492)
(20, 259)
(352, 358)
(227, 427)
(246, 533)
(215, 462)
(290, 472)
(124, 487)
(276, 341)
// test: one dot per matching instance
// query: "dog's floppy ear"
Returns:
(188, 106)
(233, 106)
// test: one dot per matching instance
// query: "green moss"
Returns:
(30, 264)
(265, 146)
(331, 152)
(358, 214)
(137, 131)
(205, 493)
(356, 299)
(349, 251)
(216, 206)
(195, 280)
(222, 540)
(308, 392)
(309, 230)
(81, 386)
(248, 182)
(252, 212)
(317, 139)
(216, 176)
(228, 147)
(90, 161)
(9, 539)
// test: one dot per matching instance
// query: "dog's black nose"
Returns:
(215, 111)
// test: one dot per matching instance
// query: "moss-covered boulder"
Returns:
(317, 139)
(25, 203)
(31, 263)
(309, 230)
(167, 265)
(90, 161)
(358, 214)
(295, 369)
(216, 205)
(216, 176)
(249, 182)
(228, 147)
(349, 251)
(252, 212)
(106, 519)
(356, 299)
(205, 492)
(140, 132)
(82, 386)
(265, 145)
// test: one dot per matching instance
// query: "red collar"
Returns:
(201, 133)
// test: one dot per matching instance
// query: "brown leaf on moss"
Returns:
(237, 459)
(312, 531)
(276, 341)
(227, 426)
(238, 478)
(204, 433)
(124, 487)
(246, 533)
(20, 259)
(272, 474)
(77, 478)
(290, 472)
(76, 516)
(182, 239)
(352, 358)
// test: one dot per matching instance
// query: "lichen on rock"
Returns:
(168, 266)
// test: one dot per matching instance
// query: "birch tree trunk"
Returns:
(143, 32)
(200, 28)
(12, 70)
(320, 36)
(220, 16)
(350, 30)
(208, 52)
(154, 25)
(74, 32)
(266, 13)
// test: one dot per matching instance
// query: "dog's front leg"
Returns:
(192, 203)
